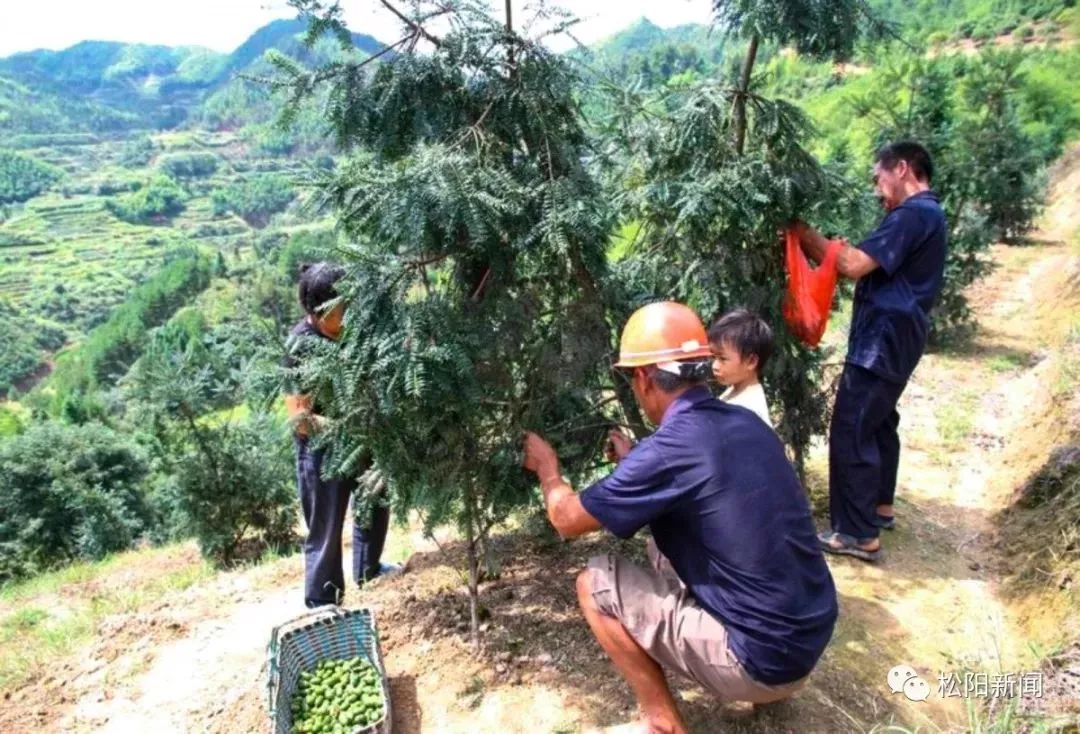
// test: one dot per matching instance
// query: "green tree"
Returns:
(66, 493)
(709, 217)
(230, 471)
(712, 170)
(476, 298)
(23, 177)
(154, 203)
(188, 165)
(817, 29)
(111, 348)
(255, 199)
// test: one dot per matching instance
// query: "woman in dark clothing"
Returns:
(324, 500)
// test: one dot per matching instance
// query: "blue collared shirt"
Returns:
(891, 315)
(725, 506)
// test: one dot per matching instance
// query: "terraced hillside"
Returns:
(66, 259)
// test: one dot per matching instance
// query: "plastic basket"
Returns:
(326, 633)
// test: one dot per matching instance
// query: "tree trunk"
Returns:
(800, 464)
(472, 539)
(741, 93)
(630, 408)
(509, 34)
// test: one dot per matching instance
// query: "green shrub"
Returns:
(138, 152)
(14, 419)
(937, 38)
(157, 201)
(23, 177)
(239, 490)
(304, 247)
(188, 165)
(232, 478)
(67, 493)
(20, 355)
(255, 199)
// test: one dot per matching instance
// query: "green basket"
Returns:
(326, 633)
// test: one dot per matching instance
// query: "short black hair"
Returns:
(317, 281)
(914, 154)
(746, 332)
(693, 373)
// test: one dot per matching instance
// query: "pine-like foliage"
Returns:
(819, 28)
(710, 218)
(475, 289)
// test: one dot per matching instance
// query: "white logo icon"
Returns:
(904, 679)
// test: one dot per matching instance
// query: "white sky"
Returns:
(224, 24)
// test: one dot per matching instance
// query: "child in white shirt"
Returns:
(741, 343)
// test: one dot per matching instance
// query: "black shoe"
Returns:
(385, 569)
(886, 522)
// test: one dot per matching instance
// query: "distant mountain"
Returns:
(285, 36)
(106, 85)
(653, 54)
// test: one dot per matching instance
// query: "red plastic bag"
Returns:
(810, 290)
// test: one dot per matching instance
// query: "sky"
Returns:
(224, 24)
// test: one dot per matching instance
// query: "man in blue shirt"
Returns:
(737, 596)
(899, 269)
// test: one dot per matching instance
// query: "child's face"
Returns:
(730, 367)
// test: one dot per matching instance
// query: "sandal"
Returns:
(886, 522)
(849, 546)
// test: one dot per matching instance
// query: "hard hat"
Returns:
(662, 333)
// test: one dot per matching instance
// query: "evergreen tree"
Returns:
(476, 293)
(710, 217)
(816, 29)
(712, 171)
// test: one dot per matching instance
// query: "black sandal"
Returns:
(849, 546)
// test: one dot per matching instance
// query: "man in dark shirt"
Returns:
(737, 596)
(325, 501)
(899, 269)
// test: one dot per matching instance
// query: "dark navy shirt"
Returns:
(891, 315)
(724, 505)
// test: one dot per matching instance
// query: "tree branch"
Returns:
(417, 28)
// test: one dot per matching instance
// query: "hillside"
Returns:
(122, 86)
(111, 119)
(153, 216)
(184, 649)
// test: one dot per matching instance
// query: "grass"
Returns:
(47, 617)
(1005, 363)
(956, 420)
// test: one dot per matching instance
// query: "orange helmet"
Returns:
(660, 333)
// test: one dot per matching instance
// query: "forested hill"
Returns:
(102, 86)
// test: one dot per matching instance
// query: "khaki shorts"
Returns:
(661, 615)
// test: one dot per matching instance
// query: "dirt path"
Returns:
(975, 423)
(972, 429)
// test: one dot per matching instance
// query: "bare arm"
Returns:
(851, 263)
(564, 509)
(301, 417)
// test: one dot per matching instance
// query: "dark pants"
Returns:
(864, 451)
(325, 503)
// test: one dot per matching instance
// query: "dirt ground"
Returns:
(975, 424)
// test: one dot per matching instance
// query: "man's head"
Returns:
(900, 170)
(317, 289)
(741, 343)
(664, 351)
